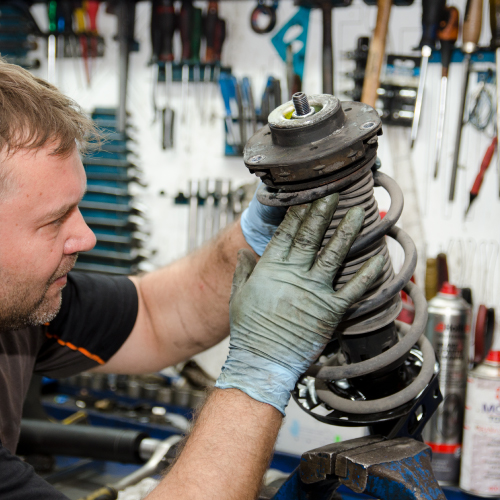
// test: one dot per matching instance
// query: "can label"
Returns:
(480, 471)
(449, 335)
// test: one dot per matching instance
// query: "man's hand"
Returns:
(283, 311)
(259, 222)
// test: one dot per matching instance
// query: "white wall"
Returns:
(199, 145)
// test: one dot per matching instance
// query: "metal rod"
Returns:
(461, 118)
(440, 125)
(124, 42)
(426, 52)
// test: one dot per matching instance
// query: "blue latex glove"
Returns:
(259, 222)
(283, 310)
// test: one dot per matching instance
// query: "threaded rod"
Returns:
(301, 104)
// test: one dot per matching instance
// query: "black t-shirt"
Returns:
(96, 317)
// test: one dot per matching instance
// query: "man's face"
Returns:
(41, 233)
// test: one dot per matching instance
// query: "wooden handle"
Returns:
(376, 54)
(448, 27)
(472, 22)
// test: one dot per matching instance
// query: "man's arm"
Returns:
(227, 452)
(183, 308)
(283, 312)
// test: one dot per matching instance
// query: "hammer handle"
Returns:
(376, 53)
(471, 30)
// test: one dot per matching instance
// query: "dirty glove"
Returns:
(283, 310)
(259, 222)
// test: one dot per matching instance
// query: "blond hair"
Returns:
(34, 113)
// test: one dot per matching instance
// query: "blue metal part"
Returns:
(410, 478)
(299, 43)
(385, 468)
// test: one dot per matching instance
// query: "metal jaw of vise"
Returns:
(376, 371)
(399, 468)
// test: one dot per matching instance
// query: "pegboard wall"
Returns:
(199, 135)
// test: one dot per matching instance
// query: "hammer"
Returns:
(376, 54)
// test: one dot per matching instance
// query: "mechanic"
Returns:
(281, 314)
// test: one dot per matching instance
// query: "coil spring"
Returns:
(334, 381)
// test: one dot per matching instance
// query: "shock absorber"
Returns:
(376, 371)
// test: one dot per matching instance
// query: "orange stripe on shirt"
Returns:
(84, 351)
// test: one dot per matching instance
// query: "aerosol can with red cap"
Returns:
(448, 329)
(480, 469)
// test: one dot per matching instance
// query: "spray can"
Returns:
(448, 329)
(480, 470)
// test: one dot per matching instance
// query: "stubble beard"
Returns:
(23, 310)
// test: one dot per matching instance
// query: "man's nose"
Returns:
(81, 238)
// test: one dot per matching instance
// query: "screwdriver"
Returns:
(432, 11)
(482, 170)
(209, 25)
(51, 42)
(448, 34)
(80, 29)
(185, 28)
(196, 27)
(92, 7)
(495, 43)
(470, 37)
(162, 34)
(219, 38)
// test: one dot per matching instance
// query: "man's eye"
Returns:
(59, 221)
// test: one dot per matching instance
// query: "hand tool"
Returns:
(263, 10)
(81, 31)
(228, 85)
(327, 51)
(242, 123)
(126, 23)
(185, 24)
(51, 42)
(196, 29)
(193, 216)
(482, 170)
(92, 8)
(376, 54)
(246, 90)
(447, 34)
(162, 33)
(482, 108)
(495, 43)
(432, 11)
(209, 208)
(471, 32)
(209, 27)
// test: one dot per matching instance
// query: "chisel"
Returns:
(470, 37)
